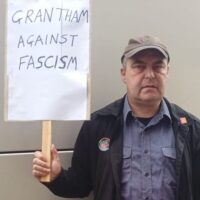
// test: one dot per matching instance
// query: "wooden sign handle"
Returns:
(46, 146)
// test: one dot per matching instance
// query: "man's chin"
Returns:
(152, 99)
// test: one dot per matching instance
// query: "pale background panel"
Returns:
(20, 181)
(113, 23)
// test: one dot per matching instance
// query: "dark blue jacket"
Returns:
(100, 171)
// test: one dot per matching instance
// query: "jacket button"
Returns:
(146, 174)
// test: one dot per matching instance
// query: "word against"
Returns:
(47, 39)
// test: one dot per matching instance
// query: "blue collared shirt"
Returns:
(149, 156)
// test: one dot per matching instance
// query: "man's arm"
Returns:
(73, 182)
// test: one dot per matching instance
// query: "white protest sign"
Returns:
(47, 59)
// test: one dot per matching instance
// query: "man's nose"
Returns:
(149, 72)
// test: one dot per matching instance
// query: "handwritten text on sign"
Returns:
(45, 36)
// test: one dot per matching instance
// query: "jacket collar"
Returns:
(116, 108)
(178, 115)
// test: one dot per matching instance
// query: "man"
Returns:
(140, 147)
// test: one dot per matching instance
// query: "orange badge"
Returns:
(183, 120)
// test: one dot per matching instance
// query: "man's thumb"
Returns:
(54, 152)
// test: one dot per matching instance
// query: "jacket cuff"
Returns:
(56, 181)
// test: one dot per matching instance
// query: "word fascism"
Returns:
(28, 62)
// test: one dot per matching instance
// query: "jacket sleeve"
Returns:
(76, 181)
(196, 159)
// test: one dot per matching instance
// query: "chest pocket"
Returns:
(169, 152)
(169, 165)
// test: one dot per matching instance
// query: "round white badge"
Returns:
(104, 144)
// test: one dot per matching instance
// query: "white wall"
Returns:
(113, 23)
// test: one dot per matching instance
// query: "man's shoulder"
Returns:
(100, 118)
(178, 112)
(113, 109)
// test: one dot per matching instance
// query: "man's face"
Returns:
(145, 76)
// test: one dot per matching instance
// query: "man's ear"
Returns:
(123, 73)
(168, 66)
